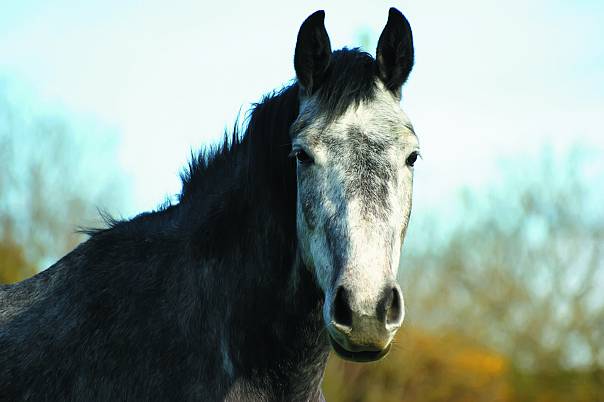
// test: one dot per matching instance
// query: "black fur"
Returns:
(338, 91)
(144, 309)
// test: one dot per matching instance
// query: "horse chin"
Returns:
(358, 357)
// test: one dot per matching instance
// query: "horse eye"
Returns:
(412, 158)
(303, 157)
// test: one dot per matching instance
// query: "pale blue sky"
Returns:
(492, 79)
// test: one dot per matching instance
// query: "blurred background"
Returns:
(101, 104)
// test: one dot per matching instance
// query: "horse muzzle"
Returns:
(362, 330)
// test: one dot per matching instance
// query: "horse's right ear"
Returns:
(313, 52)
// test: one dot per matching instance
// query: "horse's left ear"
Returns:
(394, 55)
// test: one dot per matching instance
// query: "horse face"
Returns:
(354, 178)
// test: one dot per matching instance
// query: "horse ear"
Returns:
(394, 53)
(313, 52)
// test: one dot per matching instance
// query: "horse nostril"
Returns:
(394, 308)
(342, 314)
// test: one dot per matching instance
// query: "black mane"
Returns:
(260, 155)
(350, 79)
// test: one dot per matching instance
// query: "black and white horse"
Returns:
(285, 240)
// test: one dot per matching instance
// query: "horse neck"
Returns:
(272, 326)
(276, 326)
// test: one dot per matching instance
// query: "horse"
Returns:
(283, 245)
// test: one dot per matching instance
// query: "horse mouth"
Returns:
(359, 357)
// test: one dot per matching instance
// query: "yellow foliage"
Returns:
(422, 367)
(13, 264)
(449, 367)
(479, 362)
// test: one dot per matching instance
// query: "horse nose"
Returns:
(342, 313)
(370, 327)
(390, 308)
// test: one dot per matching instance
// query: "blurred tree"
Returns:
(523, 272)
(46, 189)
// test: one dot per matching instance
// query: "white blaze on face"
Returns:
(369, 259)
(354, 200)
